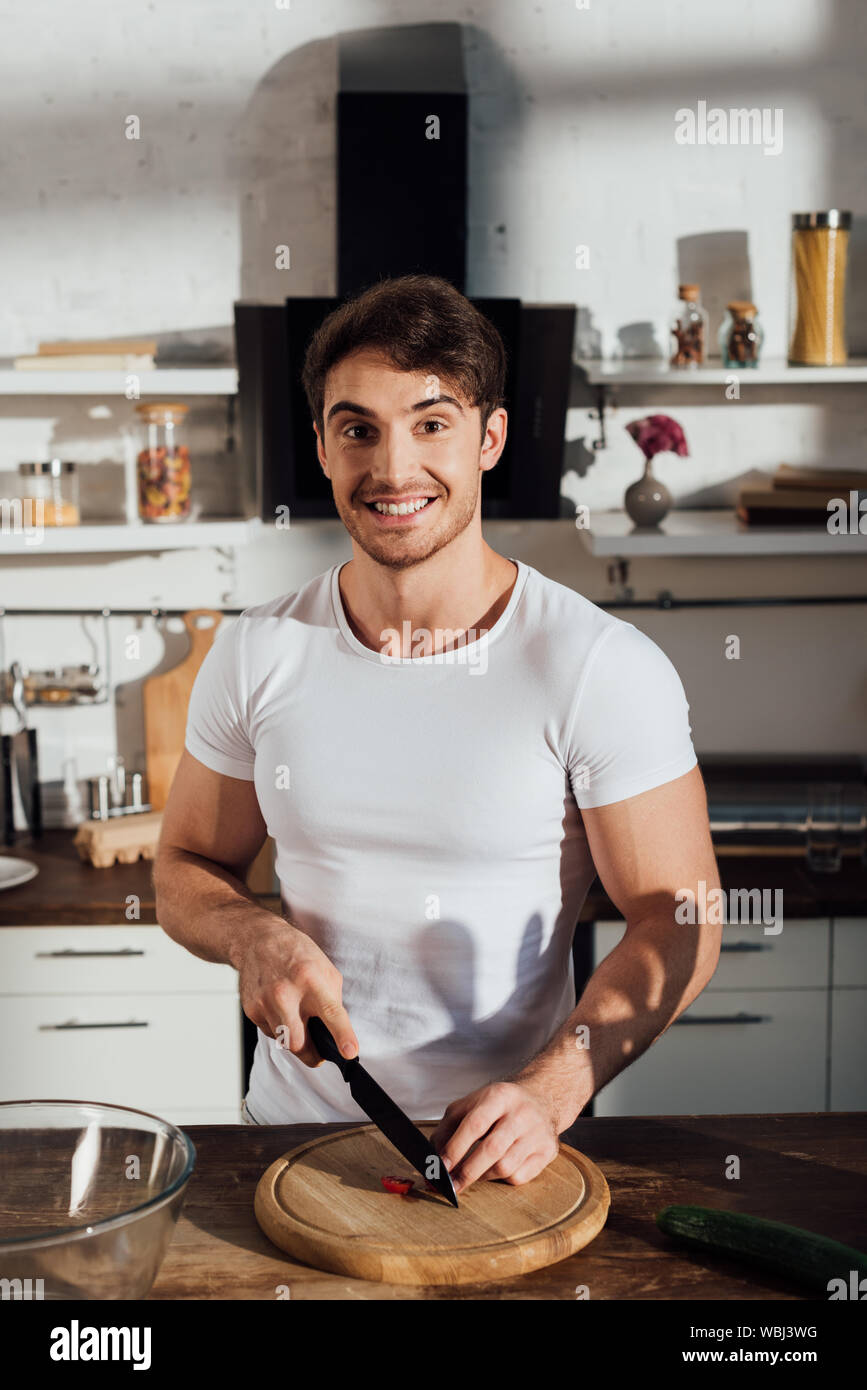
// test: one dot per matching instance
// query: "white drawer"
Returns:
(189, 1051)
(718, 1068)
(797, 958)
(848, 1049)
(131, 959)
(850, 951)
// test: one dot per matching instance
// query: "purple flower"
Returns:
(658, 434)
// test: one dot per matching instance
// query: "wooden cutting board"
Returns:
(165, 698)
(323, 1203)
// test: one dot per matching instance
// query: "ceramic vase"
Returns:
(648, 500)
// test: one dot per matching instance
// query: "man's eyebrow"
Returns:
(352, 408)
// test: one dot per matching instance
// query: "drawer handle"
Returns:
(68, 952)
(745, 946)
(65, 1027)
(725, 1018)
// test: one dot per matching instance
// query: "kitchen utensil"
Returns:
(7, 796)
(70, 1216)
(165, 698)
(409, 1141)
(14, 872)
(98, 789)
(25, 759)
(323, 1203)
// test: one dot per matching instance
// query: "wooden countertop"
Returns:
(67, 892)
(806, 1169)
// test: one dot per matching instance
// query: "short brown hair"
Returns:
(421, 323)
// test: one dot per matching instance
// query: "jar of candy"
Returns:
(741, 335)
(163, 465)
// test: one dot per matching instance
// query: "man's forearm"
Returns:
(206, 909)
(641, 987)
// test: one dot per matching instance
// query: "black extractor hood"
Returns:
(402, 114)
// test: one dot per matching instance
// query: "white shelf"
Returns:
(165, 382)
(709, 533)
(118, 538)
(771, 371)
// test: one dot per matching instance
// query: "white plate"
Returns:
(15, 871)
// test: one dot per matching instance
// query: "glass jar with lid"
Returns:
(820, 247)
(51, 488)
(163, 465)
(689, 329)
(741, 335)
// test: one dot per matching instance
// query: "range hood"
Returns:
(402, 115)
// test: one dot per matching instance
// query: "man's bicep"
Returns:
(651, 846)
(215, 816)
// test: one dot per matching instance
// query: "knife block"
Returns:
(121, 839)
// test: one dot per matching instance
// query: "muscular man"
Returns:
(446, 747)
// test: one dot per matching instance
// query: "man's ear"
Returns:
(320, 451)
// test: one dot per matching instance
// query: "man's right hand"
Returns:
(284, 980)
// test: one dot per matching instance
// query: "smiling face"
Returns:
(404, 455)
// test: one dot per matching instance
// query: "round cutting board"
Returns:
(323, 1203)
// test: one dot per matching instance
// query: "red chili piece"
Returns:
(401, 1185)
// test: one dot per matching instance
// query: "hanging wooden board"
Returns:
(324, 1204)
(165, 699)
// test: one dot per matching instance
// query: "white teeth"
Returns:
(401, 509)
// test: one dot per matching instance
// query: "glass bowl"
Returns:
(89, 1197)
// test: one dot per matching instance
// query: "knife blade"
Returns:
(397, 1127)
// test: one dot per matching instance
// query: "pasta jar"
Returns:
(740, 335)
(163, 465)
(820, 248)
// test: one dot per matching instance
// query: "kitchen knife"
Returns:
(388, 1117)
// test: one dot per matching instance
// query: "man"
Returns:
(446, 747)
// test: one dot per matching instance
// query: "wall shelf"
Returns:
(771, 371)
(165, 382)
(119, 538)
(708, 533)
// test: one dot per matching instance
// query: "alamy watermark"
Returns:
(738, 126)
(751, 905)
(23, 516)
(423, 643)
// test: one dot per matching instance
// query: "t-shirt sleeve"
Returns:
(630, 731)
(216, 726)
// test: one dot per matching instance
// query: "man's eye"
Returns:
(355, 427)
(440, 423)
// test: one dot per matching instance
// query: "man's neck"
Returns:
(438, 598)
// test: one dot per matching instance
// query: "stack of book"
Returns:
(93, 355)
(799, 496)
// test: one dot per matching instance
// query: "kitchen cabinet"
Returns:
(755, 1040)
(849, 1014)
(119, 1014)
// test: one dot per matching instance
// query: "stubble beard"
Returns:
(397, 550)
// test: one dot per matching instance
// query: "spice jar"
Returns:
(820, 247)
(689, 329)
(54, 484)
(163, 465)
(740, 335)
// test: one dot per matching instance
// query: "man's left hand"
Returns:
(507, 1130)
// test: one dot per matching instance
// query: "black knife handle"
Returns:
(328, 1049)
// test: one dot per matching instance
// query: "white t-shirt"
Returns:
(426, 816)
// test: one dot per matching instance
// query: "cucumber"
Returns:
(807, 1258)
